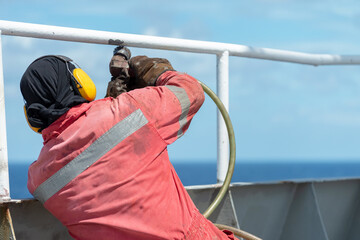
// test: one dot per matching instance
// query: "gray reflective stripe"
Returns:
(184, 100)
(95, 151)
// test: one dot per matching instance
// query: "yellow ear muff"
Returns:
(35, 129)
(84, 84)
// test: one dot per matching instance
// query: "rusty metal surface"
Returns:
(6, 226)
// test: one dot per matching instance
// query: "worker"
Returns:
(104, 169)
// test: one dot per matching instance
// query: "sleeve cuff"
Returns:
(164, 77)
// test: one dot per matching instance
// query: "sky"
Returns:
(280, 111)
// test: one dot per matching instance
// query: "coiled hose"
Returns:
(237, 232)
(230, 171)
(232, 156)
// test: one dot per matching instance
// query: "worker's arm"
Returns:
(171, 104)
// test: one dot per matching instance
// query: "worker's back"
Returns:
(104, 170)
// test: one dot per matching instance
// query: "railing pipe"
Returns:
(133, 40)
(4, 170)
(222, 50)
(223, 94)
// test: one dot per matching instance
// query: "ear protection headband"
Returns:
(81, 82)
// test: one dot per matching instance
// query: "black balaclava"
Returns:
(48, 89)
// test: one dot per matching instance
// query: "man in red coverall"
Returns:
(104, 170)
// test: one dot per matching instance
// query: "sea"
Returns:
(201, 172)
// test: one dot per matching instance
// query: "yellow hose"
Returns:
(237, 232)
(230, 171)
(231, 167)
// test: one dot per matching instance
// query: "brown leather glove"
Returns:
(144, 71)
(119, 65)
(119, 69)
(116, 87)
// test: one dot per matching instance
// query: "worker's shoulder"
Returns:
(124, 102)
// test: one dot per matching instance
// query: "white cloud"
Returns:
(176, 33)
(348, 9)
(331, 46)
(152, 31)
(342, 119)
(21, 43)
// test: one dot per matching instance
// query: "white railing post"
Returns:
(222, 136)
(4, 169)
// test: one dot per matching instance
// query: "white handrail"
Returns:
(141, 41)
(222, 50)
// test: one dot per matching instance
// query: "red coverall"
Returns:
(104, 170)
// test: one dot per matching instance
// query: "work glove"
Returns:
(145, 71)
(119, 70)
(116, 87)
(119, 65)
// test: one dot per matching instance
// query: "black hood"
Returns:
(48, 89)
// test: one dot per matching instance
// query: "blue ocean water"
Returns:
(198, 173)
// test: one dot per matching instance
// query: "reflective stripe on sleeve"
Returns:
(94, 152)
(184, 100)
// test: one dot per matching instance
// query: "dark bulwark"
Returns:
(274, 211)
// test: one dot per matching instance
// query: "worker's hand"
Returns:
(144, 71)
(119, 65)
(119, 69)
(116, 87)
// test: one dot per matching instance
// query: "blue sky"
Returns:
(280, 111)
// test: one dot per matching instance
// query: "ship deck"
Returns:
(321, 210)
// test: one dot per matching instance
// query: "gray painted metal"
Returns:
(319, 210)
(33, 222)
(328, 210)
(262, 209)
(303, 220)
(224, 214)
